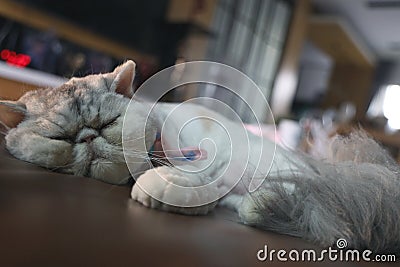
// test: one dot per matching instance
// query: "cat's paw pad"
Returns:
(169, 189)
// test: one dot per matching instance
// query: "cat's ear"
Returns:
(124, 76)
(11, 113)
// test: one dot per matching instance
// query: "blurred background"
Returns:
(325, 66)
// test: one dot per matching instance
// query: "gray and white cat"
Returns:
(77, 128)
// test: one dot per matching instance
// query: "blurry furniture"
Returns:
(354, 65)
(55, 45)
(390, 141)
(285, 85)
(64, 29)
(253, 37)
(14, 82)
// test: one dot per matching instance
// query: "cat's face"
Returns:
(77, 127)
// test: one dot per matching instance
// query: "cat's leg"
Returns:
(173, 190)
(254, 205)
(248, 206)
(232, 201)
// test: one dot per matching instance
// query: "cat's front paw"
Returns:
(169, 189)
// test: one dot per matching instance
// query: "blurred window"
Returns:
(250, 36)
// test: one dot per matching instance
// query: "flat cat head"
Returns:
(75, 128)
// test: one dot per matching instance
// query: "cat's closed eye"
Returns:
(110, 122)
(62, 138)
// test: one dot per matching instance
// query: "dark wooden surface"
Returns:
(51, 219)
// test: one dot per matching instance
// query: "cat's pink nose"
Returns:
(86, 135)
(88, 139)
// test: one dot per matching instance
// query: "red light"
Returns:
(5, 54)
(12, 58)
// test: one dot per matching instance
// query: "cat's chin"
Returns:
(113, 173)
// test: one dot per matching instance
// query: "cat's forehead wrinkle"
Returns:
(35, 100)
(63, 113)
(76, 105)
(68, 117)
(44, 100)
(90, 105)
(44, 126)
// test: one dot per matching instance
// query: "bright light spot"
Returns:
(394, 124)
(391, 106)
(14, 59)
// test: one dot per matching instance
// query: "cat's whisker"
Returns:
(167, 157)
(116, 162)
(163, 163)
(136, 155)
(167, 150)
(137, 173)
(134, 139)
(133, 151)
(61, 166)
(160, 158)
(5, 126)
(152, 156)
(148, 159)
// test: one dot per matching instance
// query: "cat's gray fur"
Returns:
(353, 194)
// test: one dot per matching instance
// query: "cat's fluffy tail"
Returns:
(354, 194)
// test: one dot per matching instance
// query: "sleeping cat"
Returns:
(80, 127)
